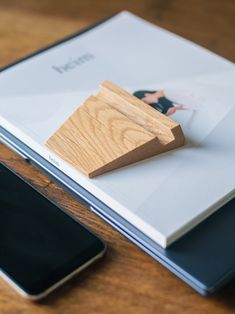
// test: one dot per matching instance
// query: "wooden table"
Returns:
(127, 280)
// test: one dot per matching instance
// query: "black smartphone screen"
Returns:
(39, 243)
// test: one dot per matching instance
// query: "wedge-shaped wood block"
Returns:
(111, 130)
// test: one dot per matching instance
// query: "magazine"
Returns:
(166, 195)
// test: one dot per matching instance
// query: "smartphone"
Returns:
(41, 246)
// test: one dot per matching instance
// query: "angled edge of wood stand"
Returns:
(111, 130)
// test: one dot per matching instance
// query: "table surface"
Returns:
(126, 280)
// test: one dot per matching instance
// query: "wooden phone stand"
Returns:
(113, 129)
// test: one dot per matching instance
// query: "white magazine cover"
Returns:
(163, 196)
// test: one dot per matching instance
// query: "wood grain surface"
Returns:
(111, 130)
(126, 280)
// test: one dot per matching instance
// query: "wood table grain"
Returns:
(127, 280)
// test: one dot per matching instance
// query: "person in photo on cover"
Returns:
(159, 101)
